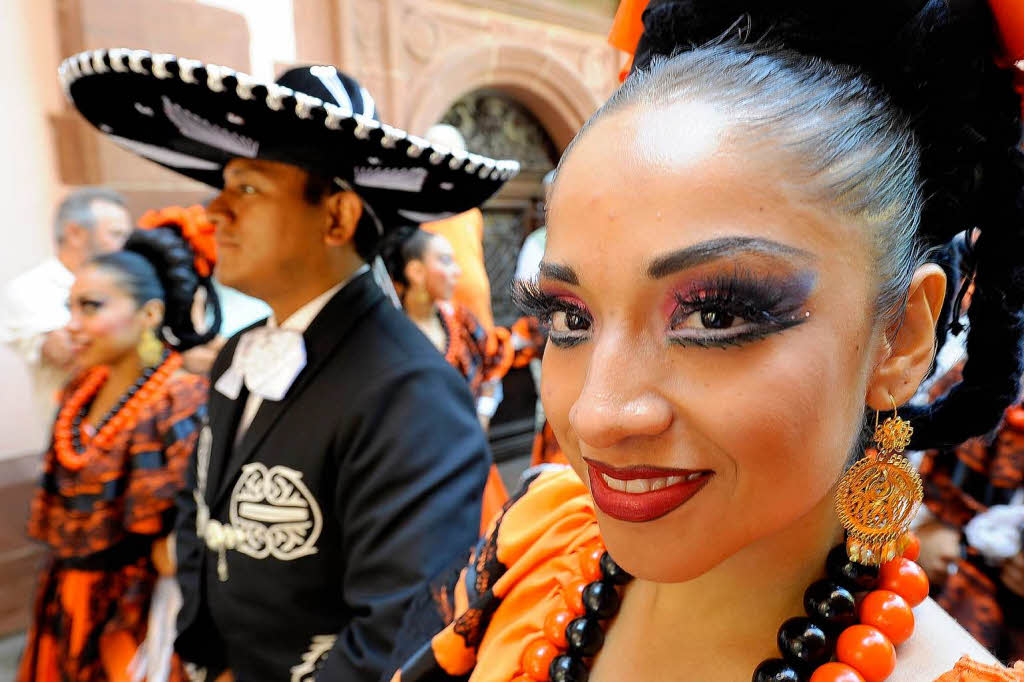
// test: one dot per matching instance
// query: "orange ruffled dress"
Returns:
(520, 573)
(99, 524)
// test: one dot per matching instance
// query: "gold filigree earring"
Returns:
(880, 495)
(150, 349)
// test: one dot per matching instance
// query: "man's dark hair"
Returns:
(77, 208)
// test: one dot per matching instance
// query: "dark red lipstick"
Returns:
(652, 491)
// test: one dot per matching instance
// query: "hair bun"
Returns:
(933, 59)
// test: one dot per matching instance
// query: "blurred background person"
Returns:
(127, 424)
(33, 306)
(465, 233)
(423, 269)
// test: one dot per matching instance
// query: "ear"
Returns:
(343, 212)
(911, 344)
(75, 235)
(415, 273)
(152, 312)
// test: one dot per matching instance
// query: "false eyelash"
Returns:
(528, 297)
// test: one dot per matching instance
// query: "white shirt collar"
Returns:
(303, 317)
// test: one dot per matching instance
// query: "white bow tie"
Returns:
(267, 360)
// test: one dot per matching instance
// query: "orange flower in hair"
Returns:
(195, 227)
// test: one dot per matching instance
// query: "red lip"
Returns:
(640, 507)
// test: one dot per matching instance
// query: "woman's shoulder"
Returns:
(943, 651)
(183, 395)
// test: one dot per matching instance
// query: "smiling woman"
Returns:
(128, 422)
(737, 279)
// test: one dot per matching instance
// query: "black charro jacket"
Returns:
(350, 493)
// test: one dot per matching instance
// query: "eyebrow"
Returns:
(560, 273)
(717, 249)
(704, 252)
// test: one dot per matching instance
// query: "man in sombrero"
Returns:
(341, 465)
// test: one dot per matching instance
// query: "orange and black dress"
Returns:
(99, 523)
(484, 359)
(959, 484)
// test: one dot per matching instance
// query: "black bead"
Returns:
(855, 577)
(567, 669)
(600, 600)
(585, 637)
(612, 572)
(830, 605)
(775, 670)
(804, 644)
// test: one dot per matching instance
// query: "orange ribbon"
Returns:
(195, 227)
(627, 28)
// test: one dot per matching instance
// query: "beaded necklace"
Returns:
(856, 615)
(67, 431)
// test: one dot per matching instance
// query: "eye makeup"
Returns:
(717, 310)
(733, 308)
(564, 317)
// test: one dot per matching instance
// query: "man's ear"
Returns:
(75, 235)
(415, 272)
(911, 345)
(343, 212)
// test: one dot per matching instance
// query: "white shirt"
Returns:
(298, 321)
(32, 305)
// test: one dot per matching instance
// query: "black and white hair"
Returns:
(77, 208)
(892, 113)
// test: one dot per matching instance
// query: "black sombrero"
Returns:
(193, 118)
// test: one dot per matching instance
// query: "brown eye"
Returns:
(716, 319)
(569, 321)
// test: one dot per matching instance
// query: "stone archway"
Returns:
(549, 88)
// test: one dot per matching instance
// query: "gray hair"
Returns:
(77, 208)
(842, 140)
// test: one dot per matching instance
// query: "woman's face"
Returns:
(711, 339)
(440, 271)
(106, 322)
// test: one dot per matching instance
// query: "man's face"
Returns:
(266, 231)
(113, 225)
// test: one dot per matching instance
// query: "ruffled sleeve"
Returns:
(967, 670)
(161, 445)
(521, 571)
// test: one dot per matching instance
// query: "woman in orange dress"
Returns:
(423, 268)
(128, 423)
(737, 283)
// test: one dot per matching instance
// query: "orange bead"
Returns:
(522, 678)
(574, 596)
(890, 613)
(868, 651)
(554, 626)
(1015, 417)
(537, 659)
(913, 549)
(905, 578)
(836, 672)
(590, 563)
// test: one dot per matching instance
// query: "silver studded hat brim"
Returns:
(193, 118)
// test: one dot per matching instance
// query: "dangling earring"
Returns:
(880, 495)
(150, 349)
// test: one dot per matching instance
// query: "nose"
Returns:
(218, 212)
(619, 399)
(74, 323)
